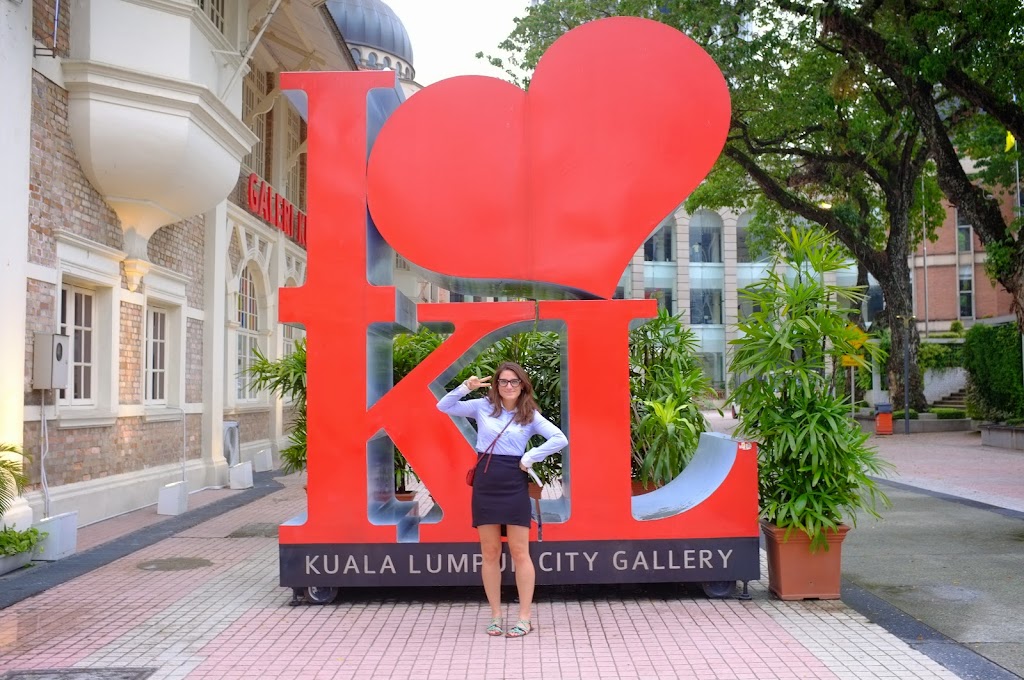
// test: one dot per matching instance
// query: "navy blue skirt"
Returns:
(500, 493)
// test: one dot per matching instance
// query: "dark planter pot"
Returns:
(796, 573)
(405, 495)
(639, 489)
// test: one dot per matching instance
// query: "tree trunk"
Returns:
(905, 340)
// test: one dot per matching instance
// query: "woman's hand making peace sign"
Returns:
(475, 383)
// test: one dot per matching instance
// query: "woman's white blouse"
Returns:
(513, 441)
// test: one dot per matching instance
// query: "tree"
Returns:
(959, 66)
(814, 134)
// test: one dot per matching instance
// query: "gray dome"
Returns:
(371, 23)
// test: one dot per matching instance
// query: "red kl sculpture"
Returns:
(485, 187)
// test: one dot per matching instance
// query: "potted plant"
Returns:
(815, 466)
(16, 546)
(668, 387)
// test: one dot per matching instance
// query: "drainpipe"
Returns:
(52, 50)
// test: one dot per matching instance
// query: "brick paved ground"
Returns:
(203, 605)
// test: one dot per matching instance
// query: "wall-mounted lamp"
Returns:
(134, 270)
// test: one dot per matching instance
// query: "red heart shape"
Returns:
(473, 178)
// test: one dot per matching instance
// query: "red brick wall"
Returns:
(81, 454)
(181, 247)
(234, 258)
(60, 196)
(252, 426)
(194, 361)
(40, 317)
(130, 370)
(42, 24)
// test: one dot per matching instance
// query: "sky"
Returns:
(445, 34)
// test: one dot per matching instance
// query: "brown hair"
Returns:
(525, 404)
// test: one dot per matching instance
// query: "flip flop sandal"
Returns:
(495, 629)
(522, 628)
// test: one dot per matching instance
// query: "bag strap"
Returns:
(490, 449)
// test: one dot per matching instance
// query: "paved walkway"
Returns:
(203, 602)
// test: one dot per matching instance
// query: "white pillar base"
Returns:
(18, 516)
(262, 461)
(61, 537)
(173, 499)
(241, 475)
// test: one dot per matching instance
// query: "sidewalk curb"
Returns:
(24, 583)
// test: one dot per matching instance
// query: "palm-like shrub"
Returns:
(814, 461)
(286, 378)
(667, 383)
(668, 387)
(12, 479)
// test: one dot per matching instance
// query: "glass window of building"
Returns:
(660, 247)
(963, 234)
(746, 251)
(712, 364)
(254, 89)
(248, 335)
(705, 237)
(77, 322)
(214, 11)
(966, 289)
(705, 306)
(746, 308)
(295, 186)
(664, 296)
(156, 356)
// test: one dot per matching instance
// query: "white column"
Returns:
(218, 237)
(15, 143)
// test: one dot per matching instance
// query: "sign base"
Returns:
(556, 563)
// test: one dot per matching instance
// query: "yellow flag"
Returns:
(1010, 141)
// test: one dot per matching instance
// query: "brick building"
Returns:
(151, 204)
(949, 279)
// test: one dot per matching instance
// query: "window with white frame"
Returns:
(214, 11)
(294, 187)
(254, 88)
(156, 356)
(291, 335)
(77, 321)
(248, 335)
(966, 290)
(963, 234)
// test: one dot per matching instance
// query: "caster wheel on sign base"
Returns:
(719, 589)
(321, 595)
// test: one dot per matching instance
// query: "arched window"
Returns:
(248, 334)
(371, 61)
(356, 56)
(387, 62)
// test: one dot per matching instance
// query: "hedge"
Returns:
(992, 357)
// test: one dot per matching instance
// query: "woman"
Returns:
(506, 419)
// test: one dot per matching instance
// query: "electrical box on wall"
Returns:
(50, 361)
